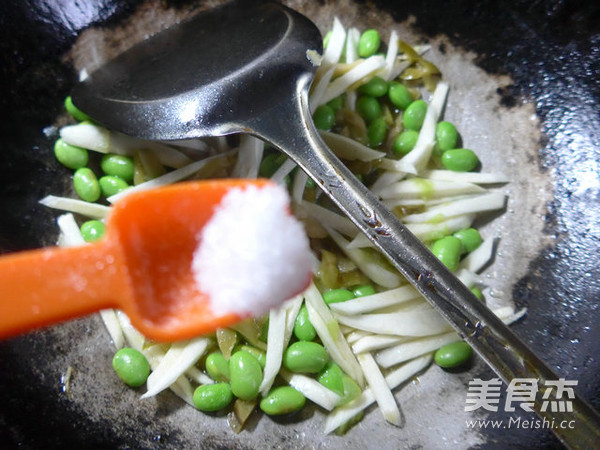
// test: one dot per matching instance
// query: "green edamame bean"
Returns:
(368, 107)
(260, 355)
(363, 290)
(368, 43)
(375, 87)
(92, 230)
(305, 357)
(460, 160)
(74, 111)
(376, 132)
(270, 164)
(453, 355)
(351, 389)
(324, 117)
(86, 184)
(337, 295)
(477, 292)
(212, 397)
(131, 366)
(331, 378)
(336, 104)
(69, 155)
(282, 400)
(303, 328)
(415, 115)
(469, 238)
(118, 165)
(405, 142)
(447, 250)
(399, 95)
(446, 136)
(245, 375)
(217, 367)
(111, 185)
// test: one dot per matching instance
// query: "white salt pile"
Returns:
(253, 254)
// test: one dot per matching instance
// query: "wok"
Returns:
(525, 94)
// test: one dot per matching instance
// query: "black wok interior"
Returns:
(550, 49)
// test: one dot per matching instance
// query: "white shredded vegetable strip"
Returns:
(390, 56)
(515, 316)
(113, 326)
(284, 170)
(419, 156)
(381, 391)
(423, 231)
(331, 56)
(99, 139)
(376, 342)
(89, 136)
(92, 210)
(351, 98)
(275, 346)
(319, 87)
(379, 300)
(396, 377)
(417, 187)
(170, 177)
(179, 358)
(425, 202)
(349, 149)
(181, 386)
(409, 350)
(329, 332)
(312, 389)
(418, 322)
(197, 145)
(198, 376)
(355, 335)
(70, 235)
(386, 179)
(292, 308)
(471, 205)
(329, 218)
(166, 155)
(468, 278)
(352, 38)
(379, 274)
(405, 351)
(133, 337)
(335, 47)
(431, 231)
(249, 157)
(345, 330)
(299, 185)
(364, 68)
(478, 258)
(466, 177)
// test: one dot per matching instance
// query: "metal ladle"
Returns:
(243, 68)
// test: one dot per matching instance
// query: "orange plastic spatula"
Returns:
(142, 266)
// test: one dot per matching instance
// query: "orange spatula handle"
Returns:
(42, 287)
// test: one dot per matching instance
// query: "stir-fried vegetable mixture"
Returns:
(359, 330)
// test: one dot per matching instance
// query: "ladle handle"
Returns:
(42, 287)
(290, 128)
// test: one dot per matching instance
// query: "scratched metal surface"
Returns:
(524, 95)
